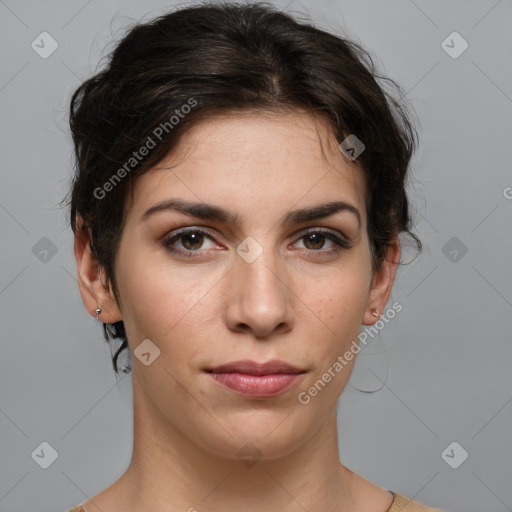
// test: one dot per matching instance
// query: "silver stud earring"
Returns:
(375, 312)
(98, 311)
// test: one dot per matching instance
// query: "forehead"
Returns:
(254, 160)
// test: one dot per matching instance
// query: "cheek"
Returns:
(338, 312)
(337, 309)
(340, 301)
(165, 303)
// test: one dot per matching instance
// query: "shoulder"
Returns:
(401, 503)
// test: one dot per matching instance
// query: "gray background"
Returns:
(442, 365)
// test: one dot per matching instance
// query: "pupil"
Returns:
(198, 240)
(318, 238)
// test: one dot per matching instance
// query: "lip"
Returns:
(249, 367)
(256, 380)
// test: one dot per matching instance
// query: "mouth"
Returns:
(257, 380)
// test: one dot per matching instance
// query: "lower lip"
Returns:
(257, 386)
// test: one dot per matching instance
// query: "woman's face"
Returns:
(246, 279)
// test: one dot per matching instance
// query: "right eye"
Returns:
(191, 241)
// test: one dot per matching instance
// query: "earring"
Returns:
(98, 311)
(375, 312)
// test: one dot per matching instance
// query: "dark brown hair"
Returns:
(166, 74)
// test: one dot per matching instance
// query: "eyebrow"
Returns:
(211, 212)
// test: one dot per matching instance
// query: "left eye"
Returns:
(315, 240)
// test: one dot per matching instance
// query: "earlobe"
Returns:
(91, 279)
(382, 284)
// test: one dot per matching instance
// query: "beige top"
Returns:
(399, 504)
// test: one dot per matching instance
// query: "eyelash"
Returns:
(168, 240)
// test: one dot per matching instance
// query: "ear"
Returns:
(382, 283)
(91, 278)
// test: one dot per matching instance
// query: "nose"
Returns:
(260, 297)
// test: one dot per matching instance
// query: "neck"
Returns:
(169, 472)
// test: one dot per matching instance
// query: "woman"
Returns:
(237, 208)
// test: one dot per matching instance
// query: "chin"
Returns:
(265, 435)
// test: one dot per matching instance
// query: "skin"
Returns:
(215, 308)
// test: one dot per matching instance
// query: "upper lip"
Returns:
(254, 368)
